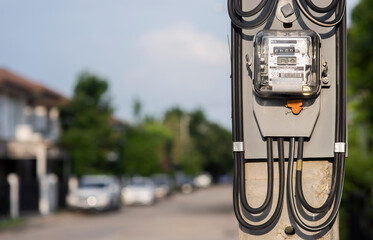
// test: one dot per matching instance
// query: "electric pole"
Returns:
(288, 73)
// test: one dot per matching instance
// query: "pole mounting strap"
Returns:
(340, 147)
(238, 147)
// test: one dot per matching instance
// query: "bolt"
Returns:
(325, 80)
(324, 64)
(289, 230)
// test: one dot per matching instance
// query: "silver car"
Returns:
(140, 190)
(163, 185)
(95, 192)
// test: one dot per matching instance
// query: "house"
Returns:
(29, 130)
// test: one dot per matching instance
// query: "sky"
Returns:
(166, 53)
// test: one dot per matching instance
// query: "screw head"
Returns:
(324, 64)
(325, 80)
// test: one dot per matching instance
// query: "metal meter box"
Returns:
(268, 78)
(287, 64)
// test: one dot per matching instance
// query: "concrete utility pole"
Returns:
(288, 112)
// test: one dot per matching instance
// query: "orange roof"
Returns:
(38, 93)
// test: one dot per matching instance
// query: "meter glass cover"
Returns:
(287, 64)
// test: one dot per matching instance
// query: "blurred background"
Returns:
(110, 104)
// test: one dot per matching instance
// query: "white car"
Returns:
(95, 192)
(203, 180)
(140, 190)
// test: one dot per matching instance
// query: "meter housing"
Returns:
(287, 64)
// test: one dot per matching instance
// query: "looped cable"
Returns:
(236, 14)
(340, 13)
(299, 185)
(326, 9)
(236, 192)
(269, 194)
(290, 196)
(251, 12)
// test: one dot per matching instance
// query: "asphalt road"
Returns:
(203, 215)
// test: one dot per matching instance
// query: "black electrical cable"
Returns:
(294, 212)
(236, 204)
(318, 9)
(250, 13)
(237, 136)
(340, 138)
(238, 103)
(290, 197)
(236, 17)
(269, 194)
(339, 14)
(299, 185)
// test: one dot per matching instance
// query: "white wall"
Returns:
(14, 113)
(11, 115)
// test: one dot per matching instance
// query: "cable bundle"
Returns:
(236, 13)
(332, 7)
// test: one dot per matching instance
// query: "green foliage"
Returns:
(357, 204)
(146, 149)
(198, 143)
(213, 142)
(177, 122)
(88, 135)
(360, 62)
(137, 107)
(191, 161)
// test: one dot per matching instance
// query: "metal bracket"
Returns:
(340, 147)
(238, 147)
(289, 16)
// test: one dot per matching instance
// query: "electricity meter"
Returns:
(287, 64)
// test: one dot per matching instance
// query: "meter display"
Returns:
(287, 64)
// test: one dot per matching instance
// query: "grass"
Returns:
(9, 223)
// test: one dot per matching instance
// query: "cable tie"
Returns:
(238, 147)
(340, 147)
(299, 164)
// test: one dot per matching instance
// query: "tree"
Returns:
(185, 157)
(213, 142)
(137, 108)
(357, 204)
(360, 66)
(146, 149)
(88, 135)
(198, 144)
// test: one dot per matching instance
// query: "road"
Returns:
(203, 215)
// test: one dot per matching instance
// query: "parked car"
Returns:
(225, 179)
(140, 190)
(203, 180)
(163, 185)
(95, 192)
(184, 183)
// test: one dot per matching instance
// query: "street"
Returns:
(203, 215)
